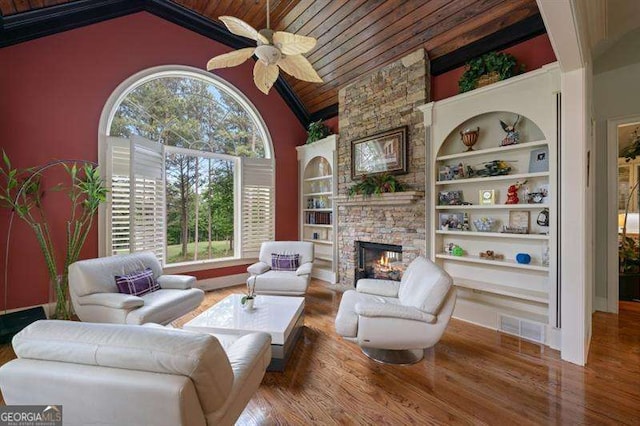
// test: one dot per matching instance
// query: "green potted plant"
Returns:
(22, 192)
(488, 68)
(376, 184)
(317, 130)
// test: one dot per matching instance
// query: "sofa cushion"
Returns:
(303, 248)
(424, 286)
(285, 262)
(137, 283)
(198, 356)
(281, 281)
(165, 303)
(96, 275)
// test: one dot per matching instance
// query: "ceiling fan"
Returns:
(275, 50)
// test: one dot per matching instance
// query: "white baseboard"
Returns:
(600, 304)
(222, 282)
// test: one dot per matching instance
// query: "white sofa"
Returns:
(393, 322)
(115, 374)
(95, 296)
(286, 283)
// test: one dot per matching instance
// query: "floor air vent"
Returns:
(530, 330)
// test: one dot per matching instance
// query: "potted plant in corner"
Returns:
(23, 192)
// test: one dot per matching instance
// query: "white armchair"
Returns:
(287, 283)
(116, 374)
(95, 296)
(393, 322)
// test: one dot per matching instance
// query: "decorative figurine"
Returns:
(543, 218)
(469, 137)
(537, 197)
(465, 222)
(512, 192)
(491, 255)
(494, 168)
(512, 137)
(457, 251)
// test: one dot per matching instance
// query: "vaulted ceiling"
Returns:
(357, 36)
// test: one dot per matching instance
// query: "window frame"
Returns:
(106, 119)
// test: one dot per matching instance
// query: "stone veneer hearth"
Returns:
(383, 100)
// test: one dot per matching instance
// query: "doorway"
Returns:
(624, 212)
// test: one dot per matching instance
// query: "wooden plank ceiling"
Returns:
(357, 36)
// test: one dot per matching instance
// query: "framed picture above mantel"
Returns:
(384, 152)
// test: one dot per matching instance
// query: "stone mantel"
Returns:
(387, 199)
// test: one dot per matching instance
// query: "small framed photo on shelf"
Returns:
(445, 173)
(458, 171)
(518, 222)
(450, 198)
(539, 160)
(451, 221)
(487, 197)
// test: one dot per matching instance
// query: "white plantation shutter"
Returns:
(257, 202)
(147, 197)
(119, 200)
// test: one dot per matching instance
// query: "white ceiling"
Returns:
(608, 21)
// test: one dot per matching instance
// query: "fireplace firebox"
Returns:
(379, 261)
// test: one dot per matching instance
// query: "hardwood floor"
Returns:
(473, 376)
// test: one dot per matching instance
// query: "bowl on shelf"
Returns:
(484, 224)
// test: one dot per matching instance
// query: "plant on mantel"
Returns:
(376, 184)
(22, 192)
(628, 247)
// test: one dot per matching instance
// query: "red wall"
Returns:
(534, 53)
(52, 91)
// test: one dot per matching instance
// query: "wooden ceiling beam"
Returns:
(7, 7)
(439, 48)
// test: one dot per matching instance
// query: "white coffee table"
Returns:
(280, 316)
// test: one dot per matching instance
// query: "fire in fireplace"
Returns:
(380, 261)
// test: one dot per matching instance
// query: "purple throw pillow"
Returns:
(285, 262)
(137, 283)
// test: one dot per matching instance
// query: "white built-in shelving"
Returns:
(491, 287)
(317, 190)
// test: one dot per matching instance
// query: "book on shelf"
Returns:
(319, 218)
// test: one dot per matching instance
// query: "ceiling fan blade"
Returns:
(299, 67)
(230, 59)
(241, 28)
(292, 44)
(264, 76)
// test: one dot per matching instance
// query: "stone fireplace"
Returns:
(383, 100)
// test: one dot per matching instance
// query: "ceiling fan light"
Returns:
(268, 54)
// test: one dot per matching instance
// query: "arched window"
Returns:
(189, 163)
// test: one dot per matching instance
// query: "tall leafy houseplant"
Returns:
(629, 248)
(22, 192)
(503, 64)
